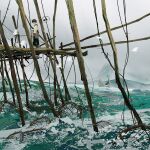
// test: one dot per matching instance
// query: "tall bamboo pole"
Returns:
(54, 46)
(81, 60)
(13, 74)
(116, 66)
(36, 64)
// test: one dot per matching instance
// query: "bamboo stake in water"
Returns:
(81, 60)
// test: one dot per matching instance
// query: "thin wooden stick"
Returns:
(54, 46)
(46, 51)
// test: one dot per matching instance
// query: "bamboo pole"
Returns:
(116, 66)
(23, 17)
(13, 74)
(54, 24)
(38, 51)
(81, 60)
(54, 46)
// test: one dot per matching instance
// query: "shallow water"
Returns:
(72, 133)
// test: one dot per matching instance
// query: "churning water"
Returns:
(74, 131)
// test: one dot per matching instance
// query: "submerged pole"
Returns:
(76, 37)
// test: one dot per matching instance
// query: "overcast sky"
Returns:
(138, 68)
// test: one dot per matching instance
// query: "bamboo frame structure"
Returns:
(21, 51)
(12, 54)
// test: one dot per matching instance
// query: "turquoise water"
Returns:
(72, 132)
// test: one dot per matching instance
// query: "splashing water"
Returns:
(71, 132)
